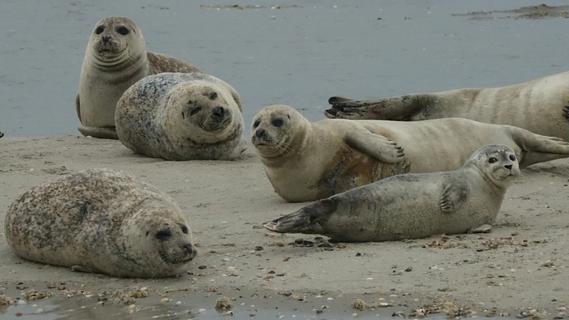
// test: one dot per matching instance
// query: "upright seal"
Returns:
(115, 58)
(101, 221)
(181, 116)
(411, 206)
(540, 106)
(307, 161)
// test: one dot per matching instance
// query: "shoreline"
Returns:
(522, 264)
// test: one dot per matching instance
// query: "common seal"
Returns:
(411, 206)
(115, 58)
(101, 221)
(181, 116)
(307, 161)
(540, 106)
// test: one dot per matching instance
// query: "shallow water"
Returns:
(299, 55)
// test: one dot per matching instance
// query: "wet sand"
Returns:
(522, 265)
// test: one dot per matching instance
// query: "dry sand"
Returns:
(522, 264)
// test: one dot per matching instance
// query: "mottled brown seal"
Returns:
(411, 206)
(115, 58)
(181, 116)
(307, 161)
(541, 106)
(101, 221)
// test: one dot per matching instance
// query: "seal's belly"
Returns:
(350, 169)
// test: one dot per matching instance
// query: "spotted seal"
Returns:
(115, 58)
(540, 106)
(181, 116)
(101, 221)
(307, 161)
(411, 206)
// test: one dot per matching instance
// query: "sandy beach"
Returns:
(521, 266)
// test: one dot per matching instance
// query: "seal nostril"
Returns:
(106, 38)
(508, 166)
(189, 248)
(218, 112)
(259, 133)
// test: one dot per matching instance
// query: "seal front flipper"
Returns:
(306, 220)
(375, 146)
(454, 195)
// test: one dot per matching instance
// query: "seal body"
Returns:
(541, 106)
(307, 161)
(115, 58)
(412, 205)
(181, 116)
(101, 221)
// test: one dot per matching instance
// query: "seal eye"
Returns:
(256, 123)
(195, 110)
(184, 229)
(277, 122)
(99, 29)
(163, 234)
(512, 157)
(492, 159)
(122, 30)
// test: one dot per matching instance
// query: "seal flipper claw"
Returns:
(566, 112)
(78, 268)
(375, 146)
(454, 195)
(305, 220)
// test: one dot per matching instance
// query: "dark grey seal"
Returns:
(411, 206)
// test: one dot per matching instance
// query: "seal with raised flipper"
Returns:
(181, 116)
(115, 58)
(409, 206)
(101, 221)
(308, 161)
(540, 106)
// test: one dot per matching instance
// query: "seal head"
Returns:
(116, 41)
(498, 164)
(163, 241)
(279, 130)
(200, 112)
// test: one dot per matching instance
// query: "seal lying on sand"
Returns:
(101, 221)
(181, 116)
(541, 106)
(115, 58)
(411, 206)
(307, 161)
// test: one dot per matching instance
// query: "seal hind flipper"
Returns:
(454, 195)
(375, 146)
(78, 107)
(104, 133)
(305, 220)
(402, 108)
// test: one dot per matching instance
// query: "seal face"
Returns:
(115, 58)
(308, 161)
(101, 221)
(539, 105)
(412, 205)
(178, 116)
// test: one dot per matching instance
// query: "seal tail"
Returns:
(306, 220)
